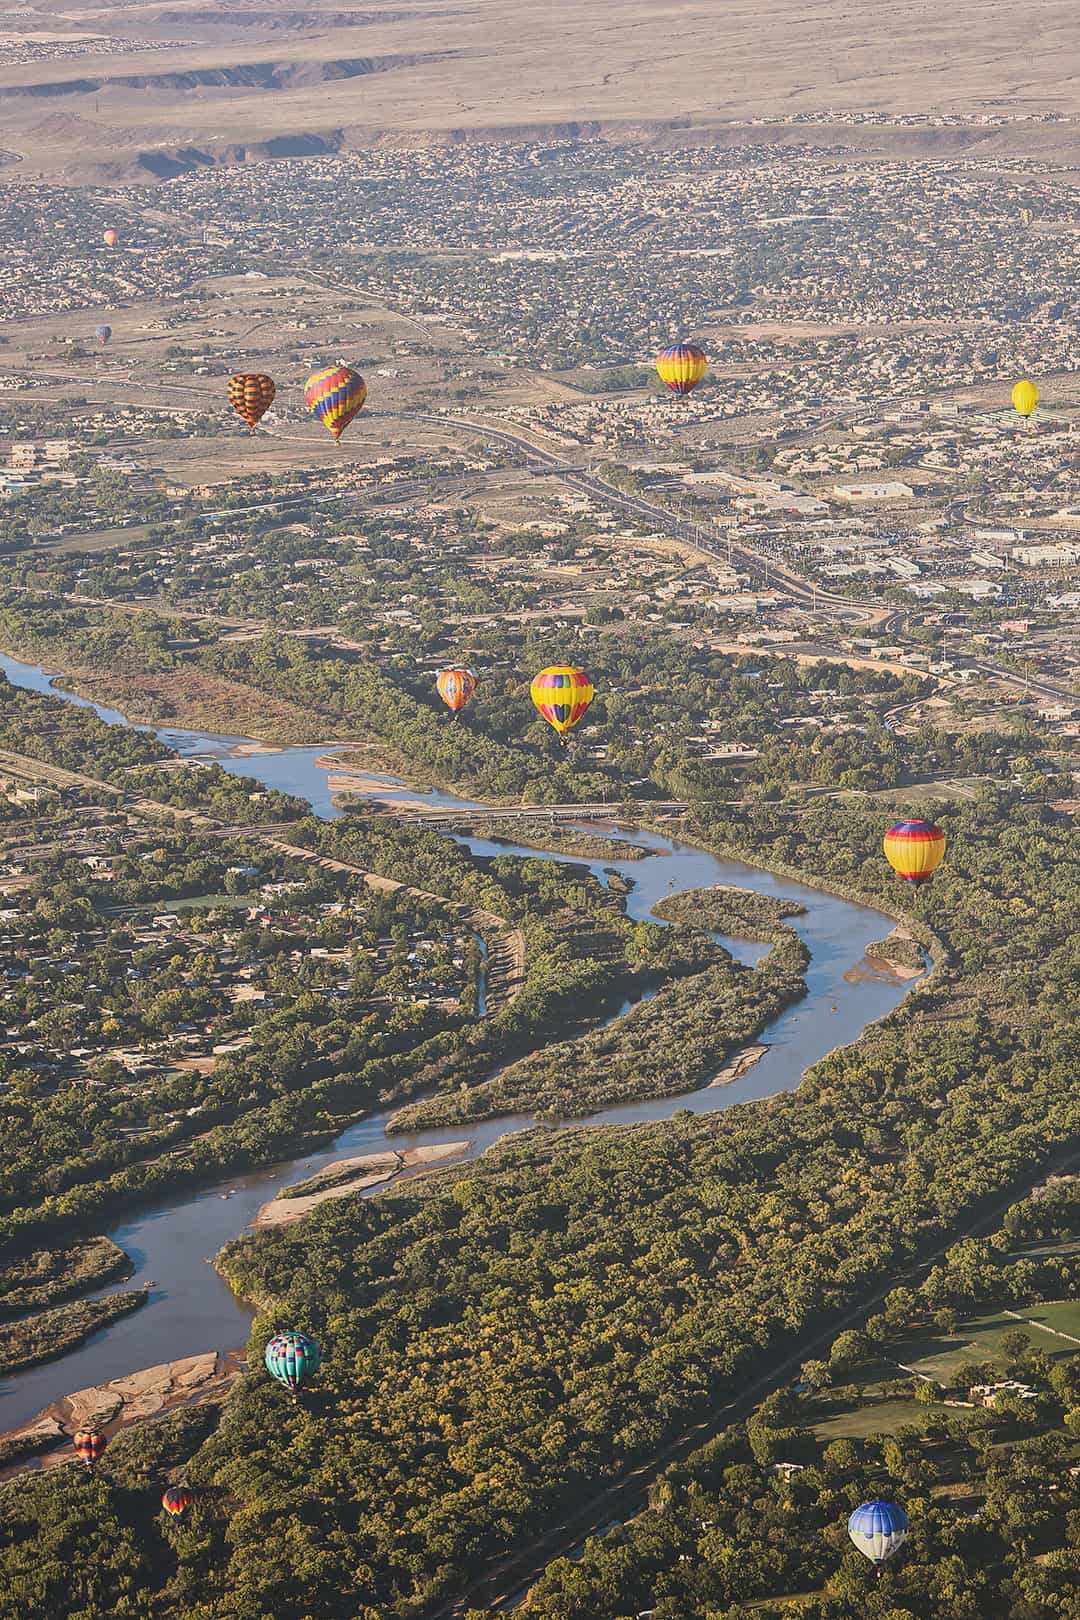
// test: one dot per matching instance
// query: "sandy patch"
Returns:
(740, 1063)
(374, 1169)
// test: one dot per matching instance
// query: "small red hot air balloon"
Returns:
(89, 1444)
(176, 1501)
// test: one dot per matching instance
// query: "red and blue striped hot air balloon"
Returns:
(562, 694)
(335, 396)
(915, 850)
(682, 367)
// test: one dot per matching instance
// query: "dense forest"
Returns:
(501, 1339)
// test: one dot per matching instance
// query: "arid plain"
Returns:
(142, 91)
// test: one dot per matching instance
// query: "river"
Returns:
(172, 1241)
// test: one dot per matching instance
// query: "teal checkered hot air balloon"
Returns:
(291, 1358)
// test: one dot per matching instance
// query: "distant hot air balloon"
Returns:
(89, 1444)
(110, 237)
(682, 367)
(878, 1529)
(915, 850)
(103, 334)
(176, 1501)
(335, 396)
(251, 394)
(455, 687)
(1025, 397)
(562, 694)
(291, 1358)
(1027, 216)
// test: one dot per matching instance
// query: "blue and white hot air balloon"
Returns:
(878, 1529)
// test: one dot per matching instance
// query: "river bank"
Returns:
(173, 1237)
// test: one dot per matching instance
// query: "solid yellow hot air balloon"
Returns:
(1025, 397)
(915, 850)
(562, 694)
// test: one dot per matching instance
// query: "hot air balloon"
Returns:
(455, 687)
(878, 1529)
(682, 367)
(176, 1501)
(110, 237)
(89, 1444)
(291, 1358)
(103, 334)
(335, 396)
(562, 695)
(251, 394)
(915, 850)
(1027, 216)
(1025, 397)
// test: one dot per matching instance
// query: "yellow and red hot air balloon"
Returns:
(176, 1501)
(89, 1444)
(251, 394)
(335, 396)
(455, 687)
(915, 850)
(562, 694)
(682, 367)
(1025, 397)
(110, 237)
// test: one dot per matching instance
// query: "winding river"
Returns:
(172, 1241)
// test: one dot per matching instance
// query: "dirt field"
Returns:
(622, 67)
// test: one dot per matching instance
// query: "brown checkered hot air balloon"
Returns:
(251, 395)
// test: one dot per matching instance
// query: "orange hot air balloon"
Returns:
(176, 1501)
(251, 394)
(89, 1444)
(110, 237)
(682, 367)
(455, 687)
(915, 850)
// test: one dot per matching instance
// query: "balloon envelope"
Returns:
(251, 394)
(914, 850)
(1025, 397)
(110, 237)
(103, 334)
(878, 1529)
(562, 694)
(176, 1500)
(682, 367)
(455, 687)
(291, 1358)
(335, 396)
(89, 1444)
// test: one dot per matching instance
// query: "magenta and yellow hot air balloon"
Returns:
(110, 237)
(335, 396)
(455, 687)
(915, 850)
(562, 694)
(682, 367)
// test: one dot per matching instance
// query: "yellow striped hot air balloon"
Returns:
(1025, 397)
(251, 394)
(915, 850)
(335, 396)
(682, 367)
(562, 694)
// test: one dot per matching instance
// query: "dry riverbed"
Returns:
(348, 1176)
